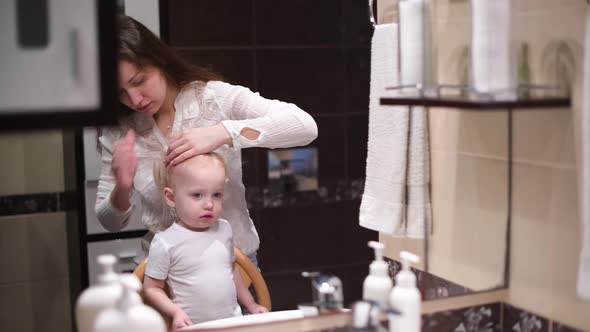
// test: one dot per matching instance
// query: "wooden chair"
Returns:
(248, 271)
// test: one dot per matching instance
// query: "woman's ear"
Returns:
(169, 196)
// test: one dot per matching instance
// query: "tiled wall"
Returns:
(33, 247)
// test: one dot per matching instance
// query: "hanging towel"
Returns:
(382, 205)
(584, 271)
(418, 209)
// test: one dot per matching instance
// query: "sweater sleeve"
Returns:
(109, 216)
(281, 124)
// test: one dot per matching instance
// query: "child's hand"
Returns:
(257, 309)
(180, 319)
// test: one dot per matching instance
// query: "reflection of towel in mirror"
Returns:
(584, 272)
(392, 171)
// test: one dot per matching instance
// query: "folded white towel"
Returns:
(382, 206)
(584, 272)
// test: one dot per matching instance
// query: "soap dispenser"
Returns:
(129, 313)
(100, 296)
(377, 285)
(406, 298)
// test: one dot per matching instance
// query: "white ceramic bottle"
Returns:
(377, 285)
(129, 313)
(406, 298)
(99, 296)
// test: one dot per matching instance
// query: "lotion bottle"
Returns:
(377, 285)
(406, 298)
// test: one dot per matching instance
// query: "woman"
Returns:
(183, 110)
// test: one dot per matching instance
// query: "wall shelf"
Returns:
(466, 103)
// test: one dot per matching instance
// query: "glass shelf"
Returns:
(479, 101)
(458, 102)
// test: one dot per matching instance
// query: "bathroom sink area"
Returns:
(247, 320)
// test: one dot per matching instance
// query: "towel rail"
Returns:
(372, 14)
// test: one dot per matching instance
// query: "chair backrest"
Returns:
(248, 271)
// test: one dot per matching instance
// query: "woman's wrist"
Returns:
(120, 198)
(225, 135)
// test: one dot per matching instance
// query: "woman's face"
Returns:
(143, 90)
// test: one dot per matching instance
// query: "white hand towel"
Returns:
(584, 271)
(382, 206)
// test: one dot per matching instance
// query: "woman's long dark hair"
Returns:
(138, 45)
(141, 47)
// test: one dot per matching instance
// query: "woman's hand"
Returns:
(195, 141)
(125, 161)
(180, 319)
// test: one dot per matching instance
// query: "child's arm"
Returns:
(244, 296)
(157, 297)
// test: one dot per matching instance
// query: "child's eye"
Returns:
(217, 195)
(197, 195)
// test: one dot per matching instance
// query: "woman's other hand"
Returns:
(125, 160)
(195, 141)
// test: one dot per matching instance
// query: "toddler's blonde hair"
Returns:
(162, 171)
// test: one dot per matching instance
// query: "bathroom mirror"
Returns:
(465, 249)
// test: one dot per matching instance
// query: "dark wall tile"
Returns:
(236, 66)
(209, 23)
(516, 319)
(332, 150)
(294, 238)
(299, 22)
(358, 70)
(477, 318)
(312, 79)
(357, 27)
(357, 128)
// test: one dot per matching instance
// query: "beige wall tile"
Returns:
(35, 306)
(33, 247)
(14, 249)
(44, 166)
(48, 251)
(51, 305)
(15, 307)
(12, 169)
(32, 163)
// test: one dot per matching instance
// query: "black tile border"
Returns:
(37, 203)
(515, 319)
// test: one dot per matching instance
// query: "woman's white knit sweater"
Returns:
(199, 104)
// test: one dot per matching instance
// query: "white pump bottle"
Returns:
(100, 296)
(129, 313)
(377, 285)
(406, 298)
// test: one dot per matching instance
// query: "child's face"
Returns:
(197, 191)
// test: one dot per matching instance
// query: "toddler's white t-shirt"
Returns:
(198, 269)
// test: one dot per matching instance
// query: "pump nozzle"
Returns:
(407, 258)
(107, 264)
(378, 246)
(131, 286)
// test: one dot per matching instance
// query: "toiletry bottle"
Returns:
(100, 296)
(406, 298)
(377, 285)
(129, 313)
